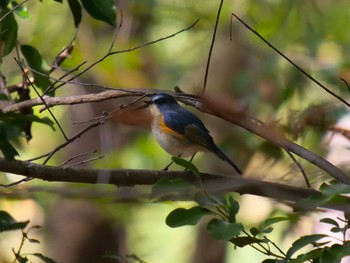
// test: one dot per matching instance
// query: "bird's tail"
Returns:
(223, 157)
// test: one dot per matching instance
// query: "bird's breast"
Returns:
(171, 141)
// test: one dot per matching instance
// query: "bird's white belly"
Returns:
(176, 145)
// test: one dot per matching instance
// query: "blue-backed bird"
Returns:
(180, 132)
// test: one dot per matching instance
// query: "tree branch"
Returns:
(221, 107)
(126, 177)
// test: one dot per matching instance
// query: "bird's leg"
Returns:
(192, 157)
(191, 160)
(167, 167)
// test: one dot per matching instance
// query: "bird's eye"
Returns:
(159, 100)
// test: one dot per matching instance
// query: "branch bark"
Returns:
(126, 177)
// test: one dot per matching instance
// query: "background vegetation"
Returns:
(103, 223)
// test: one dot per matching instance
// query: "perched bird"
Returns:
(179, 131)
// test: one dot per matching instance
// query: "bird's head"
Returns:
(162, 102)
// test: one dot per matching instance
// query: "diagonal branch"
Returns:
(292, 62)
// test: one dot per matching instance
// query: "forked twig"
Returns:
(110, 53)
(77, 156)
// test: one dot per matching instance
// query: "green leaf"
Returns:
(254, 231)
(7, 222)
(32, 240)
(4, 3)
(244, 241)
(101, 10)
(223, 230)
(313, 254)
(75, 8)
(269, 260)
(113, 255)
(212, 200)
(274, 220)
(329, 221)
(271, 150)
(181, 216)
(43, 258)
(21, 11)
(19, 119)
(8, 151)
(334, 254)
(8, 32)
(166, 187)
(3, 96)
(21, 259)
(233, 209)
(302, 242)
(35, 62)
(187, 165)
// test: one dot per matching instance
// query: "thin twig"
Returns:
(212, 46)
(77, 156)
(291, 62)
(346, 83)
(273, 243)
(42, 99)
(13, 9)
(299, 166)
(16, 183)
(72, 139)
(129, 50)
(86, 161)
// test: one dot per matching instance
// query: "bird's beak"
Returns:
(148, 102)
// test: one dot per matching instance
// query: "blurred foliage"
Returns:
(312, 33)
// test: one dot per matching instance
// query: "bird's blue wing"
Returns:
(189, 125)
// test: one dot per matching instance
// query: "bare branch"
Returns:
(126, 177)
(212, 46)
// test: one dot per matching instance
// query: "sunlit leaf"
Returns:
(181, 216)
(224, 230)
(21, 11)
(101, 10)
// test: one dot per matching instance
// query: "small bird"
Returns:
(180, 132)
